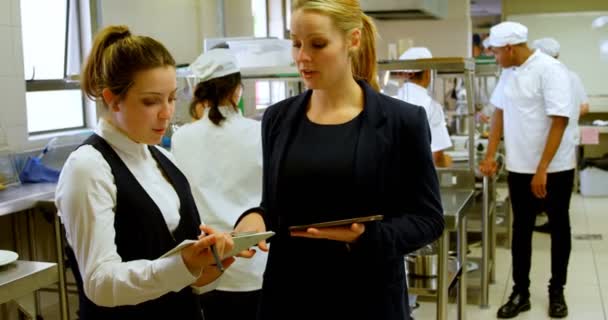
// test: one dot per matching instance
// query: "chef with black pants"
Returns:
(534, 101)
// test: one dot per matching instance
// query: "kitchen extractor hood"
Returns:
(405, 9)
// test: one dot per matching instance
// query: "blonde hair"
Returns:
(115, 58)
(347, 16)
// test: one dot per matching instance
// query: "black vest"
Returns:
(142, 233)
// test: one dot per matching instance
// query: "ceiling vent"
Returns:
(405, 9)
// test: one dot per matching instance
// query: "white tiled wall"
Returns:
(12, 85)
(5, 11)
(15, 13)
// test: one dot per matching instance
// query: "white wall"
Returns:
(180, 24)
(175, 23)
(12, 85)
(239, 18)
(450, 37)
(580, 43)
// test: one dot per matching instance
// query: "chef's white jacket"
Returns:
(224, 166)
(529, 95)
(417, 95)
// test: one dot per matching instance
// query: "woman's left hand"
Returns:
(347, 234)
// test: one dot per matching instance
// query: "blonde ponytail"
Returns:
(364, 61)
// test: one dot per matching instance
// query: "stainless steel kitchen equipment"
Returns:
(423, 262)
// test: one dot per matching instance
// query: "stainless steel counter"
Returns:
(20, 280)
(25, 196)
(24, 277)
(454, 201)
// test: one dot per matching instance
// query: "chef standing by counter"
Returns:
(533, 100)
(415, 91)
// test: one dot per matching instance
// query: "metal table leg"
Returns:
(485, 248)
(442, 276)
(462, 259)
(63, 289)
(33, 255)
(493, 215)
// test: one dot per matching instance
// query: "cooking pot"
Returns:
(422, 265)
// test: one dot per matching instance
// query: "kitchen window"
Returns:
(266, 92)
(52, 55)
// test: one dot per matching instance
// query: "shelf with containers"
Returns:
(457, 187)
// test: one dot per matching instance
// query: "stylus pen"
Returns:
(218, 261)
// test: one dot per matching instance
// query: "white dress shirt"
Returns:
(224, 166)
(529, 95)
(86, 198)
(417, 95)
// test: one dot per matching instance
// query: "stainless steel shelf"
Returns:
(474, 277)
(23, 277)
(454, 202)
(442, 65)
(427, 286)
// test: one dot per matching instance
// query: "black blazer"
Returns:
(395, 170)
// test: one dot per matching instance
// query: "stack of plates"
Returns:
(458, 155)
(7, 257)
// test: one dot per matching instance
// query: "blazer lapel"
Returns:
(371, 146)
(282, 132)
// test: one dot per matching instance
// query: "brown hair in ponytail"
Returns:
(115, 58)
(213, 92)
(347, 15)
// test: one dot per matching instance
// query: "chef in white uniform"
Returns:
(414, 91)
(534, 102)
(551, 47)
(221, 155)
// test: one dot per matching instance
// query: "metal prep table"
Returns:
(454, 202)
(25, 199)
(25, 196)
(19, 282)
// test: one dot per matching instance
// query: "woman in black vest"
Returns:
(342, 150)
(122, 200)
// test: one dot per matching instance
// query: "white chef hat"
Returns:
(486, 42)
(506, 33)
(549, 46)
(214, 63)
(415, 53)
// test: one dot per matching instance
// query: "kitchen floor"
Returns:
(587, 288)
(586, 292)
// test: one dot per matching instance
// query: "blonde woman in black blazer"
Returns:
(337, 151)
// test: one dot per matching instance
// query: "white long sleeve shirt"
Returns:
(224, 167)
(86, 198)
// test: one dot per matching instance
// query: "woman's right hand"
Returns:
(252, 222)
(199, 255)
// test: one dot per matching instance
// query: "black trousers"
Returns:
(525, 208)
(226, 305)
